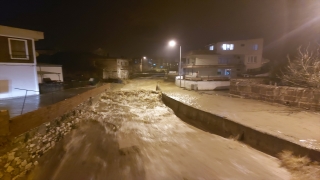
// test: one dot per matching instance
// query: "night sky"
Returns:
(136, 28)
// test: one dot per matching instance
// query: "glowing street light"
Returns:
(141, 63)
(173, 43)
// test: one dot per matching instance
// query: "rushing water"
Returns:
(133, 135)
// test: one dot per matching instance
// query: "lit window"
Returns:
(227, 47)
(255, 47)
(211, 48)
(18, 49)
(227, 72)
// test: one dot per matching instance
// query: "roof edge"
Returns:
(20, 33)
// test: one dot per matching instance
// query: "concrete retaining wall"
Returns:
(292, 96)
(182, 84)
(262, 141)
(25, 122)
(203, 85)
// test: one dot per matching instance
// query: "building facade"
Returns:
(114, 68)
(18, 62)
(228, 58)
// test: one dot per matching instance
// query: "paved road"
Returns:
(14, 105)
(135, 136)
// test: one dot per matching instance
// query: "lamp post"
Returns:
(141, 63)
(173, 43)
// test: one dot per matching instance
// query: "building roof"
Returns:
(20, 33)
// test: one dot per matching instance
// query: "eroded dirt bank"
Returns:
(133, 135)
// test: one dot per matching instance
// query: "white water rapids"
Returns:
(133, 135)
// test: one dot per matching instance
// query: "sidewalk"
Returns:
(14, 105)
(292, 124)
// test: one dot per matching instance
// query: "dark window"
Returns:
(18, 49)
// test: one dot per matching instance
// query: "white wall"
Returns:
(179, 82)
(17, 76)
(55, 69)
(207, 85)
(206, 60)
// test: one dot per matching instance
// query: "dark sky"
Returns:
(143, 27)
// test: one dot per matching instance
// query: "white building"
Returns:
(52, 71)
(228, 58)
(18, 62)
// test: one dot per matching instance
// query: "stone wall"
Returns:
(291, 96)
(35, 133)
(21, 155)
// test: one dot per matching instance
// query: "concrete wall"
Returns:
(17, 76)
(4, 126)
(292, 96)
(25, 122)
(203, 85)
(227, 128)
(207, 85)
(178, 83)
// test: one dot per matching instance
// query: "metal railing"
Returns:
(25, 96)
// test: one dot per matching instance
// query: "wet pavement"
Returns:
(14, 105)
(133, 135)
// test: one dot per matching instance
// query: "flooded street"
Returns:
(131, 134)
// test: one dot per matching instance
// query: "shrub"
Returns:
(303, 70)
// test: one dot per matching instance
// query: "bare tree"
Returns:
(303, 70)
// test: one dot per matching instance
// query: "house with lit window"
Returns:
(18, 61)
(225, 59)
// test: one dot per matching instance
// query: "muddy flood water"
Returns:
(132, 135)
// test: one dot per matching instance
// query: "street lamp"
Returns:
(173, 43)
(141, 63)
